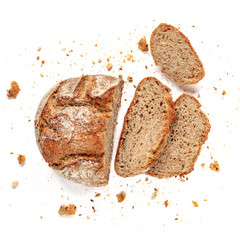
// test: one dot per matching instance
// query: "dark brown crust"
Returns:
(163, 70)
(204, 116)
(160, 146)
(63, 153)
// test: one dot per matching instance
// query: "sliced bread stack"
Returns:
(145, 128)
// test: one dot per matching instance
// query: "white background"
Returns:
(117, 26)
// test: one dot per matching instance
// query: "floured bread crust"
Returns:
(74, 127)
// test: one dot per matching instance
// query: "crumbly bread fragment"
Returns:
(140, 142)
(74, 127)
(172, 51)
(189, 132)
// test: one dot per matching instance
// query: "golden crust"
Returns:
(190, 45)
(71, 125)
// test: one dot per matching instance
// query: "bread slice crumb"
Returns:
(143, 45)
(21, 158)
(15, 184)
(67, 210)
(195, 203)
(14, 90)
(215, 166)
(121, 196)
(109, 66)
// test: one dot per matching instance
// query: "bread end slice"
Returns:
(188, 133)
(172, 51)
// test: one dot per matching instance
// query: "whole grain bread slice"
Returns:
(172, 51)
(140, 142)
(188, 133)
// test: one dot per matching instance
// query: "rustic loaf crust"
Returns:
(74, 127)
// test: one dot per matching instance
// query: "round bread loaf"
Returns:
(74, 127)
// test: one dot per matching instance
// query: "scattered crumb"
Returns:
(203, 165)
(121, 196)
(130, 79)
(14, 90)
(214, 166)
(97, 194)
(38, 57)
(99, 60)
(41, 74)
(198, 96)
(39, 49)
(155, 194)
(15, 184)
(166, 203)
(195, 203)
(143, 45)
(41, 217)
(129, 57)
(109, 66)
(93, 62)
(88, 218)
(42, 63)
(146, 66)
(193, 26)
(11, 152)
(223, 92)
(146, 179)
(21, 159)
(217, 45)
(67, 210)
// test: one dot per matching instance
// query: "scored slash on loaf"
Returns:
(74, 127)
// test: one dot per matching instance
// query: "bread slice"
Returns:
(172, 51)
(188, 133)
(74, 127)
(145, 127)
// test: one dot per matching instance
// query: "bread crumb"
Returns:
(195, 203)
(198, 96)
(99, 60)
(39, 49)
(93, 62)
(155, 194)
(67, 210)
(38, 57)
(193, 26)
(41, 74)
(146, 66)
(215, 166)
(203, 165)
(130, 79)
(166, 203)
(21, 159)
(109, 66)
(97, 194)
(14, 90)
(15, 184)
(143, 45)
(88, 218)
(121, 196)
(129, 57)
(42, 63)
(11, 152)
(223, 92)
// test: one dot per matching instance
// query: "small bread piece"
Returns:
(145, 127)
(74, 127)
(172, 51)
(188, 133)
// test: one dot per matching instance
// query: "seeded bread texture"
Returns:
(140, 143)
(172, 51)
(74, 127)
(188, 133)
